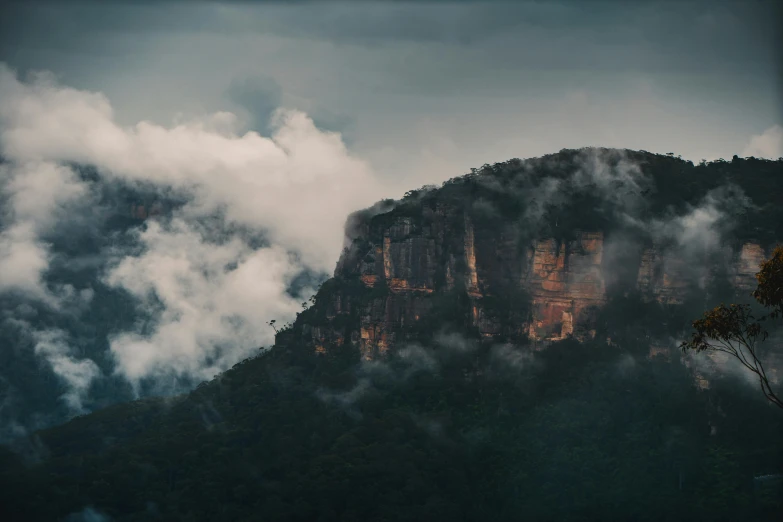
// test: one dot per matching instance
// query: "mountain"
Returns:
(516, 267)
(502, 347)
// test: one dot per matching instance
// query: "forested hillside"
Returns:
(502, 347)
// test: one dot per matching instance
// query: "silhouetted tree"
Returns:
(736, 331)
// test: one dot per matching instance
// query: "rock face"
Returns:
(563, 278)
(405, 263)
(534, 251)
(750, 257)
(662, 276)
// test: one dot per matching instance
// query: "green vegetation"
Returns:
(662, 185)
(450, 426)
(580, 432)
(735, 330)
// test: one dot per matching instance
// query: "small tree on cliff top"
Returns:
(736, 331)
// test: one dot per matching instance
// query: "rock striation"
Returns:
(536, 251)
(564, 279)
(406, 263)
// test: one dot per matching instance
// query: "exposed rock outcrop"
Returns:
(516, 265)
(662, 276)
(409, 261)
(750, 257)
(563, 278)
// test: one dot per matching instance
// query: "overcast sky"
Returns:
(426, 90)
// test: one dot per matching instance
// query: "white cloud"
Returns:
(77, 374)
(417, 359)
(699, 231)
(211, 289)
(620, 182)
(299, 184)
(455, 342)
(513, 357)
(88, 514)
(768, 144)
(35, 192)
(696, 231)
(22, 261)
(39, 189)
(215, 301)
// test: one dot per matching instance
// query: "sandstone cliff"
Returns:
(407, 264)
(504, 280)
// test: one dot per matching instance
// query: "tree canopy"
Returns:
(735, 329)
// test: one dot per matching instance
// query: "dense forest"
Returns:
(450, 424)
(576, 432)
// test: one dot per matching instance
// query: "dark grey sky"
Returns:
(425, 90)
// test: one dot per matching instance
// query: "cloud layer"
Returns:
(34, 193)
(295, 185)
(258, 211)
(214, 300)
(427, 89)
(768, 144)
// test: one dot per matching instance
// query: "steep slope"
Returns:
(485, 351)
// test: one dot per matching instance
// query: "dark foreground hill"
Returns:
(499, 348)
